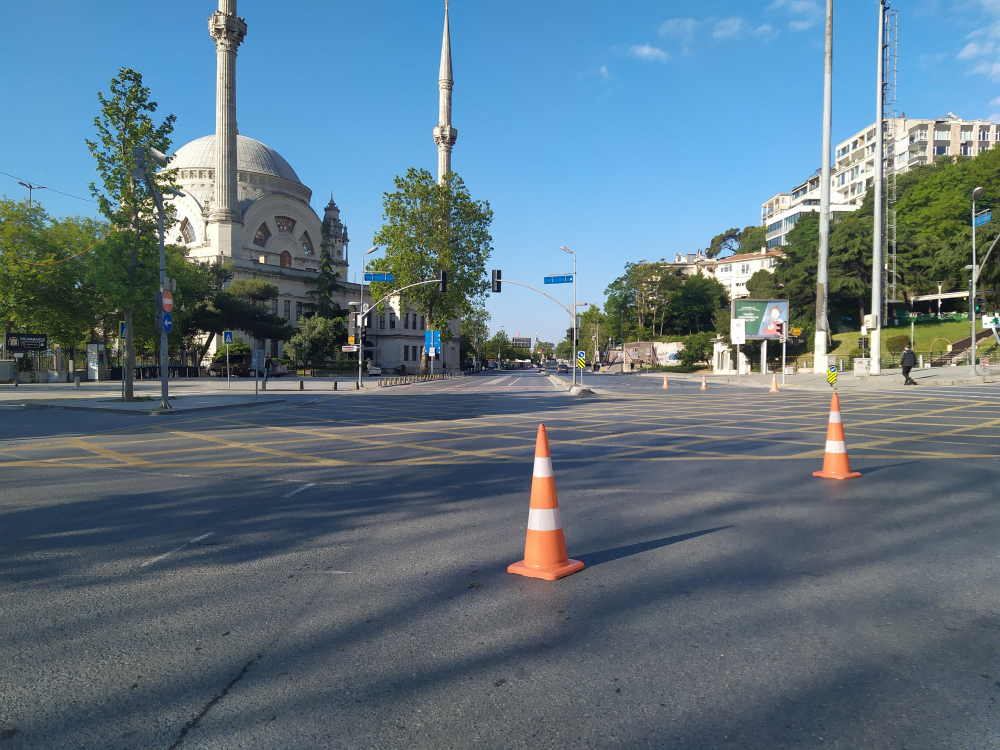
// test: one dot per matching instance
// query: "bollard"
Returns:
(263, 385)
(302, 385)
(76, 380)
(356, 386)
(334, 385)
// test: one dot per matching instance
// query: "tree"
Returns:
(696, 306)
(728, 241)
(431, 227)
(326, 282)
(474, 332)
(316, 341)
(697, 348)
(761, 285)
(752, 239)
(126, 264)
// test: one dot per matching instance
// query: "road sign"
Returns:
(831, 374)
(227, 337)
(27, 342)
(167, 302)
(378, 277)
(121, 329)
(351, 340)
(520, 343)
(991, 321)
(349, 348)
(983, 217)
(738, 331)
(796, 331)
(168, 322)
(564, 279)
(432, 339)
(581, 359)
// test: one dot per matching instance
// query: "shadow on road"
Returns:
(616, 553)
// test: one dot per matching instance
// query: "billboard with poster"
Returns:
(761, 316)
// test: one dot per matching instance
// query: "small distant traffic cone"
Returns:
(774, 384)
(545, 546)
(704, 383)
(836, 464)
(665, 383)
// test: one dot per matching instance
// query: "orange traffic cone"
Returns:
(704, 383)
(665, 383)
(774, 384)
(836, 464)
(545, 547)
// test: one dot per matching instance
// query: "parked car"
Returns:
(374, 370)
(278, 370)
(239, 366)
(562, 370)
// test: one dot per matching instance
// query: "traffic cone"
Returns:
(774, 384)
(836, 464)
(545, 546)
(665, 383)
(704, 383)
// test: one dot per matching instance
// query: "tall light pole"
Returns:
(30, 187)
(975, 274)
(822, 275)
(361, 307)
(140, 172)
(875, 365)
(572, 320)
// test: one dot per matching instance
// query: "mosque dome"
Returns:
(251, 156)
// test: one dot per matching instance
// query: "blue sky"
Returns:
(623, 130)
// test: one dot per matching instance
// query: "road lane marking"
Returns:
(297, 490)
(177, 549)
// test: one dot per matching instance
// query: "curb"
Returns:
(156, 412)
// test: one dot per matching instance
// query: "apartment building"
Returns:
(782, 212)
(909, 143)
(733, 271)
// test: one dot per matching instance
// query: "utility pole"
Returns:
(875, 366)
(822, 273)
(30, 187)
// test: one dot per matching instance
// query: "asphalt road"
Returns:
(331, 572)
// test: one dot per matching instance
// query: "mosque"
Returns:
(241, 202)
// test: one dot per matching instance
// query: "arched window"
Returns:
(307, 245)
(285, 224)
(260, 239)
(187, 231)
(286, 259)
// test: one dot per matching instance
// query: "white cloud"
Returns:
(995, 102)
(981, 48)
(648, 53)
(805, 13)
(682, 27)
(995, 117)
(604, 73)
(727, 28)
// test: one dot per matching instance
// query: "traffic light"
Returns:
(352, 324)
(442, 278)
(496, 282)
(980, 304)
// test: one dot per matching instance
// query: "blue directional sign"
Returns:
(564, 279)
(983, 217)
(227, 337)
(378, 277)
(168, 322)
(121, 329)
(432, 339)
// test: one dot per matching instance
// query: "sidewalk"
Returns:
(889, 379)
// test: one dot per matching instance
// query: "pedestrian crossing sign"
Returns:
(227, 337)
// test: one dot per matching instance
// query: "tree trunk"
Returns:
(204, 350)
(6, 332)
(129, 355)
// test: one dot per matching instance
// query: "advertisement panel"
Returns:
(761, 316)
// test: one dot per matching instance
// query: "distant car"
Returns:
(239, 366)
(562, 370)
(278, 370)
(374, 370)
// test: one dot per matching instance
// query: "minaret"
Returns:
(225, 221)
(444, 134)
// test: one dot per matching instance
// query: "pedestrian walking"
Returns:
(908, 361)
(267, 367)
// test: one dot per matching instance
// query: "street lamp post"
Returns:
(140, 172)
(30, 187)
(360, 328)
(977, 193)
(572, 319)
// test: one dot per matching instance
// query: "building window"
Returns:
(942, 135)
(966, 135)
(187, 231)
(416, 353)
(285, 224)
(406, 321)
(966, 149)
(392, 319)
(406, 353)
(298, 311)
(307, 245)
(941, 150)
(423, 323)
(286, 259)
(744, 268)
(381, 321)
(288, 309)
(260, 239)
(274, 306)
(984, 134)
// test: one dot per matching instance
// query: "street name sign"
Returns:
(349, 348)
(561, 279)
(983, 217)
(378, 277)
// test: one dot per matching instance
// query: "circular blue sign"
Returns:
(168, 322)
